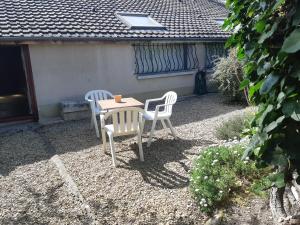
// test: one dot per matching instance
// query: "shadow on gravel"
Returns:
(42, 143)
(154, 169)
(30, 146)
(200, 108)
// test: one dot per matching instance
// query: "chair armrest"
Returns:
(152, 100)
(88, 99)
(160, 106)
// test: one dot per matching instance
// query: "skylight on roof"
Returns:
(220, 21)
(139, 21)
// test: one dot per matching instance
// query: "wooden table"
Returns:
(126, 102)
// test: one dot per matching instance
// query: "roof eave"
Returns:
(110, 39)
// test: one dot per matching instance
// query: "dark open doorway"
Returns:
(16, 88)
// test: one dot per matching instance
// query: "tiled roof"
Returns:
(96, 20)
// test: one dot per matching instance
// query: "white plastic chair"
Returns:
(162, 115)
(125, 121)
(92, 97)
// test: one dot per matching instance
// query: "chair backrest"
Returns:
(125, 120)
(96, 95)
(170, 99)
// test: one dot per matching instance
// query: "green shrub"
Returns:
(218, 173)
(228, 75)
(235, 127)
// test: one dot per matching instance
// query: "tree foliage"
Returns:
(266, 34)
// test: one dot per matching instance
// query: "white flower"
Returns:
(215, 161)
(206, 177)
(247, 158)
(218, 180)
(220, 192)
(203, 200)
(197, 190)
(245, 162)
(205, 205)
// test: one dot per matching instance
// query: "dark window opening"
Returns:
(14, 99)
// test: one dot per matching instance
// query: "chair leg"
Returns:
(163, 124)
(112, 149)
(142, 126)
(172, 128)
(92, 122)
(103, 139)
(96, 126)
(151, 133)
(139, 136)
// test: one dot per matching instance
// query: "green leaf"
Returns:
(274, 124)
(292, 43)
(240, 53)
(260, 26)
(280, 99)
(255, 88)
(269, 82)
(296, 17)
(263, 57)
(265, 112)
(264, 68)
(268, 34)
(278, 179)
(296, 71)
(278, 3)
(292, 109)
(244, 84)
(249, 68)
(279, 158)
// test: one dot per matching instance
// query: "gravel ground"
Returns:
(153, 192)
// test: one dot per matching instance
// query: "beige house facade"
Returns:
(53, 52)
(67, 71)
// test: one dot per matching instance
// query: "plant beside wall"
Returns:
(228, 73)
(267, 37)
(235, 127)
(219, 173)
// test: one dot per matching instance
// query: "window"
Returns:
(220, 21)
(213, 52)
(139, 21)
(164, 58)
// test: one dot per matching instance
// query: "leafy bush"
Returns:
(219, 172)
(267, 38)
(228, 75)
(234, 127)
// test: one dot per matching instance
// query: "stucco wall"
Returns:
(68, 71)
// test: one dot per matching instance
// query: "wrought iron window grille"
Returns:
(164, 58)
(213, 52)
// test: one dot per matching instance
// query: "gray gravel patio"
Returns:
(33, 189)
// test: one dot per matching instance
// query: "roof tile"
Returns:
(95, 19)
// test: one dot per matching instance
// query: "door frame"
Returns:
(25, 55)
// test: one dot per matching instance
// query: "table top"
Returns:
(126, 102)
